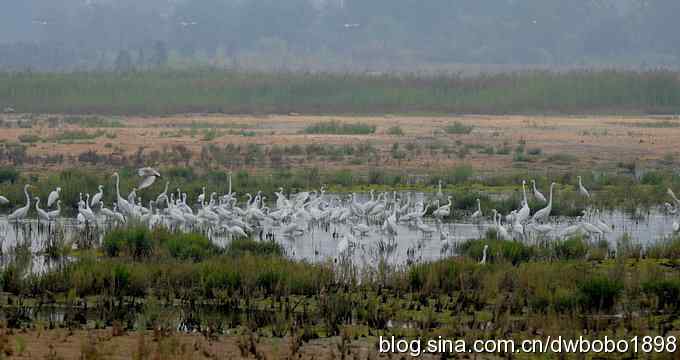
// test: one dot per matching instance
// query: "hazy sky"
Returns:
(337, 34)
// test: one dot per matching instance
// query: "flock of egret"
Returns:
(384, 214)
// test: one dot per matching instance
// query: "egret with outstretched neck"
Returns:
(42, 214)
(123, 204)
(545, 212)
(537, 194)
(20, 213)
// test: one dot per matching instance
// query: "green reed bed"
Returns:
(208, 90)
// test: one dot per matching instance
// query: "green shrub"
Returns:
(192, 246)
(238, 247)
(395, 131)
(571, 248)
(599, 293)
(458, 128)
(666, 291)
(338, 128)
(133, 241)
(29, 138)
(652, 178)
(460, 174)
(668, 248)
(514, 252)
(562, 159)
(8, 175)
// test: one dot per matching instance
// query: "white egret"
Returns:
(20, 213)
(54, 196)
(42, 214)
(483, 261)
(478, 213)
(54, 214)
(537, 194)
(545, 212)
(97, 197)
(581, 189)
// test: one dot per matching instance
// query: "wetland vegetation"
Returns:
(218, 91)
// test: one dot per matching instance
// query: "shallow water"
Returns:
(320, 242)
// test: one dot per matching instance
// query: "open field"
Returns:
(406, 144)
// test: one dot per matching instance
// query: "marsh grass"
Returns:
(77, 135)
(29, 138)
(663, 124)
(218, 91)
(395, 131)
(339, 128)
(92, 122)
(458, 128)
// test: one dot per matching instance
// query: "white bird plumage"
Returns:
(20, 213)
(53, 197)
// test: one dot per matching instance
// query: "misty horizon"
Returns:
(467, 36)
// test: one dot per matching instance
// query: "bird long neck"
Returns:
(118, 185)
(551, 194)
(28, 198)
(37, 203)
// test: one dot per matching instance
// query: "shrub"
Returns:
(133, 241)
(395, 131)
(239, 247)
(668, 248)
(666, 291)
(562, 159)
(535, 151)
(8, 175)
(572, 248)
(458, 128)
(512, 251)
(652, 178)
(599, 293)
(192, 246)
(460, 174)
(336, 127)
(29, 138)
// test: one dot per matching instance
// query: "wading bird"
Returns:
(537, 194)
(20, 213)
(545, 212)
(53, 197)
(581, 189)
